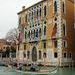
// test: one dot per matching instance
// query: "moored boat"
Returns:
(53, 71)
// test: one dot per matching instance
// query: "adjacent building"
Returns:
(2, 44)
(46, 33)
(7, 50)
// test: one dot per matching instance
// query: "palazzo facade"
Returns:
(46, 33)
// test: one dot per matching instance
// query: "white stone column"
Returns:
(59, 33)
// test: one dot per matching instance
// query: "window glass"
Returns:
(44, 55)
(45, 11)
(64, 55)
(55, 43)
(44, 30)
(44, 44)
(40, 11)
(39, 54)
(55, 55)
(55, 7)
(64, 30)
(28, 54)
(26, 18)
(63, 7)
(25, 47)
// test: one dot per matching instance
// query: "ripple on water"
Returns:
(61, 71)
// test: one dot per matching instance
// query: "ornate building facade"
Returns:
(46, 33)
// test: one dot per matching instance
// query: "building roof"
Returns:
(36, 4)
(31, 6)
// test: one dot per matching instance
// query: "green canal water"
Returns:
(61, 71)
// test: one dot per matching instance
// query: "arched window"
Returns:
(44, 55)
(40, 32)
(55, 43)
(37, 12)
(44, 30)
(29, 34)
(54, 30)
(28, 54)
(34, 33)
(55, 7)
(55, 27)
(55, 54)
(65, 55)
(44, 22)
(24, 46)
(39, 54)
(40, 11)
(55, 19)
(32, 13)
(64, 30)
(24, 54)
(63, 6)
(37, 33)
(25, 34)
(29, 15)
(44, 45)
(70, 55)
(45, 11)
(26, 18)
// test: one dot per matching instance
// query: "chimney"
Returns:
(23, 7)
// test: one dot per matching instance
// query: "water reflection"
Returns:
(66, 71)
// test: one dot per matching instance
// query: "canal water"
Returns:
(61, 71)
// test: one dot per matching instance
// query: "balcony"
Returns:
(33, 39)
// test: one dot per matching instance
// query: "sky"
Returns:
(8, 14)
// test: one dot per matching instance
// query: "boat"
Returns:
(48, 72)
(34, 70)
(39, 72)
(44, 71)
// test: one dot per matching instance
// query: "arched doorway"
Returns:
(34, 54)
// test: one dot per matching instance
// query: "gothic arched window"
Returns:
(39, 54)
(28, 54)
(45, 11)
(64, 29)
(63, 7)
(34, 33)
(44, 30)
(40, 11)
(26, 18)
(37, 33)
(25, 34)
(55, 43)
(44, 55)
(37, 12)
(40, 32)
(29, 34)
(55, 7)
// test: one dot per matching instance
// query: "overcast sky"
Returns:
(8, 13)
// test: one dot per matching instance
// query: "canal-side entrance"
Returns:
(34, 54)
